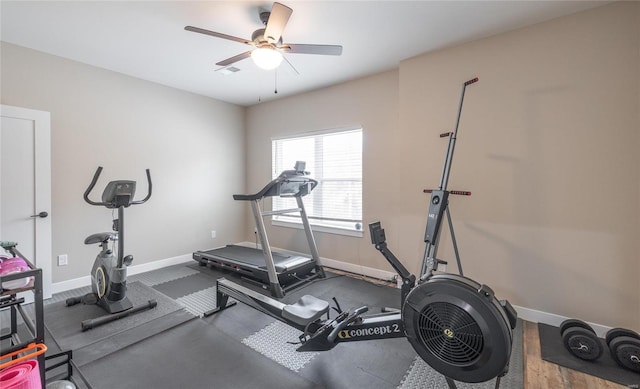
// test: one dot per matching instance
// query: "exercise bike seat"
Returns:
(305, 310)
(100, 237)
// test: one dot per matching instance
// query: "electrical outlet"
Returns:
(63, 260)
(213, 234)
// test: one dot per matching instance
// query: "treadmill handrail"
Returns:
(287, 177)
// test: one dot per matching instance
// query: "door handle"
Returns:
(42, 214)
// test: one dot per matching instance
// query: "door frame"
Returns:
(42, 149)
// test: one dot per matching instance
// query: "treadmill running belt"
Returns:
(249, 256)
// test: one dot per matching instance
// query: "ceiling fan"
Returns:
(267, 41)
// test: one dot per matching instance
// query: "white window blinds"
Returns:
(334, 159)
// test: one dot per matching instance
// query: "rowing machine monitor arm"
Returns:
(378, 238)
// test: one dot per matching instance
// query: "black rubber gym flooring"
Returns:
(243, 348)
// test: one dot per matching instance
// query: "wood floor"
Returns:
(545, 375)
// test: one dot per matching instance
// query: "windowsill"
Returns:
(318, 228)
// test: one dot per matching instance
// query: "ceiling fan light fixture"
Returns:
(266, 58)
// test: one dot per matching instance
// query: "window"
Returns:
(334, 159)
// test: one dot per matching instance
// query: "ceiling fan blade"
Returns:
(234, 59)
(312, 49)
(218, 35)
(294, 71)
(277, 21)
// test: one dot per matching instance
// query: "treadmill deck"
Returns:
(254, 258)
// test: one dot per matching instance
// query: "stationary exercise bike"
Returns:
(109, 272)
(455, 324)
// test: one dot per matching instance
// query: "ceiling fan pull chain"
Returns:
(276, 82)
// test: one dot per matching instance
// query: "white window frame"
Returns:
(325, 225)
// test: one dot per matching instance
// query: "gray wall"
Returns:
(193, 145)
(548, 145)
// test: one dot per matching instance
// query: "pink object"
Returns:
(24, 375)
(11, 266)
(12, 260)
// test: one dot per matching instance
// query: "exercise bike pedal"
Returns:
(126, 261)
(88, 299)
(73, 301)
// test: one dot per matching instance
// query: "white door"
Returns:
(25, 186)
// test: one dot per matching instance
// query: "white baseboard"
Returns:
(528, 314)
(552, 319)
(131, 270)
(524, 313)
(159, 264)
(338, 265)
(359, 269)
(63, 286)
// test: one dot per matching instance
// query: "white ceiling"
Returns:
(147, 40)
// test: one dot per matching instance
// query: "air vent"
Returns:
(228, 70)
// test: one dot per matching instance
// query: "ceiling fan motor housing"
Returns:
(459, 328)
(260, 40)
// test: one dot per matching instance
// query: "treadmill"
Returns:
(278, 272)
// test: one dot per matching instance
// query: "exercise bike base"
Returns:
(111, 306)
(93, 323)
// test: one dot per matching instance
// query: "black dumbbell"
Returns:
(624, 347)
(580, 339)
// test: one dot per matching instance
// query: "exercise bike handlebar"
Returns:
(90, 188)
(149, 186)
(96, 175)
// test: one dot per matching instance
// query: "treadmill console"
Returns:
(300, 165)
(294, 182)
(293, 188)
(290, 183)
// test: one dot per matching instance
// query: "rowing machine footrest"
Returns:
(305, 310)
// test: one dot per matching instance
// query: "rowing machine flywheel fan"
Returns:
(459, 328)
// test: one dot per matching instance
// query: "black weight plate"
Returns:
(582, 343)
(625, 350)
(574, 323)
(616, 332)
